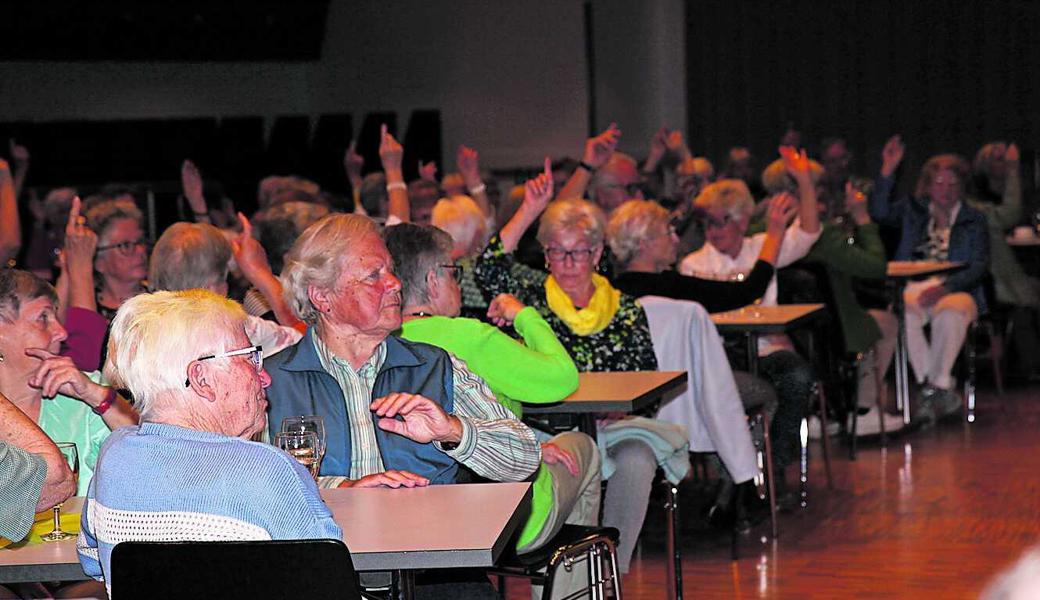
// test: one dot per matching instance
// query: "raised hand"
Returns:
(782, 209)
(191, 183)
(856, 204)
(249, 254)
(1012, 155)
(599, 149)
(353, 163)
(658, 146)
(80, 241)
(468, 162)
(423, 421)
(428, 171)
(390, 479)
(390, 151)
(892, 155)
(796, 163)
(677, 145)
(538, 191)
(553, 454)
(19, 154)
(503, 309)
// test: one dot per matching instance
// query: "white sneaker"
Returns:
(867, 424)
(814, 428)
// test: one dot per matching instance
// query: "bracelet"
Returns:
(480, 189)
(204, 213)
(586, 166)
(397, 185)
(110, 398)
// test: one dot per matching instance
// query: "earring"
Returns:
(1, 357)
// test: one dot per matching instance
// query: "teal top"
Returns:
(539, 372)
(66, 419)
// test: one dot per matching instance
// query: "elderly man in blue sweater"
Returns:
(189, 471)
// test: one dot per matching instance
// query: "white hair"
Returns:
(156, 336)
(460, 216)
(189, 255)
(631, 223)
(317, 258)
(572, 214)
(729, 195)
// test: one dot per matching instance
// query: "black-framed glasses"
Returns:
(578, 254)
(256, 356)
(455, 270)
(126, 248)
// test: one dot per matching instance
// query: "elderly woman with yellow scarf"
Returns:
(603, 329)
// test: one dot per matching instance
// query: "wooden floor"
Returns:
(933, 515)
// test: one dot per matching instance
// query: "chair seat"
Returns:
(569, 535)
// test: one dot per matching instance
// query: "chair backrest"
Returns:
(273, 569)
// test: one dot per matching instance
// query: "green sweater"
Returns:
(539, 372)
(845, 258)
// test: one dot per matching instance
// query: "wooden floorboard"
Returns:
(933, 515)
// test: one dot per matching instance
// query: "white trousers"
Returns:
(932, 360)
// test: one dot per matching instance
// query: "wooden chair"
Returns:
(276, 569)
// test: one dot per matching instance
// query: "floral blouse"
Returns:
(624, 345)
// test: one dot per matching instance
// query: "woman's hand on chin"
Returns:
(58, 374)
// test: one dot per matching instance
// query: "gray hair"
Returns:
(631, 223)
(317, 258)
(463, 220)
(102, 215)
(155, 337)
(1022, 576)
(16, 287)
(572, 214)
(416, 250)
(189, 255)
(730, 195)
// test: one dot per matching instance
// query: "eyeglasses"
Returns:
(126, 248)
(711, 222)
(578, 254)
(456, 270)
(256, 356)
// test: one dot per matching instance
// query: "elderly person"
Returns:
(936, 225)
(607, 176)
(196, 255)
(603, 329)
(691, 175)
(727, 206)
(539, 370)
(67, 404)
(999, 197)
(463, 220)
(121, 262)
(277, 228)
(396, 412)
(199, 383)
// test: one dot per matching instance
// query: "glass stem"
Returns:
(57, 519)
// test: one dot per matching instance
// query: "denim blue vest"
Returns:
(300, 386)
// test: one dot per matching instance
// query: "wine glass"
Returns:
(303, 446)
(308, 423)
(68, 450)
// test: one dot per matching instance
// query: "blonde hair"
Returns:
(317, 258)
(189, 255)
(730, 195)
(776, 179)
(461, 217)
(572, 214)
(953, 162)
(695, 165)
(102, 215)
(631, 223)
(155, 337)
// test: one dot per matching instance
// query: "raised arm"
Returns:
(10, 225)
(797, 165)
(20, 157)
(252, 259)
(353, 163)
(391, 153)
(882, 206)
(782, 209)
(598, 151)
(537, 194)
(657, 152)
(468, 162)
(1008, 213)
(191, 183)
(78, 267)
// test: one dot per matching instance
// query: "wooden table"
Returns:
(611, 391)
(753, 321)
(442, 526)
(901, 272)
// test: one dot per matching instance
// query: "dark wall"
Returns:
(948, 76)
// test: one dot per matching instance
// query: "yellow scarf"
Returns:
(592, 319)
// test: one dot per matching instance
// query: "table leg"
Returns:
(587, 424)
(902, 368)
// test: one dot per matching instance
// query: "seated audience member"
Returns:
(463, 220)
(691, 175)
(68, 405)
(936, 225)
(850, 248)
(562, 170)
(999, 197)
(189, 471)
(121, 260)
(835, 158)
(48, 231)
(606, 176)
(422, 197)
(603, 329)
(538, 370)
(276, 229)
(34, 475)
(740, 164)
(276, 189)
(374, 201)
(727, 206)
(396, 412)
(196, 255)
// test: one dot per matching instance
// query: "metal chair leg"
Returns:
(825, 437)
(674, 564)
(770, 482)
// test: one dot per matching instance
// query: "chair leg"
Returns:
(969, 381)
(996, 354)
(674, 566)
(770, 482)
(825, 437)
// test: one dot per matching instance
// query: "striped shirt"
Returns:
(494, 444)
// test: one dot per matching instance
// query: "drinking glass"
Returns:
(308, 423)
(303, 446)
(68, 450)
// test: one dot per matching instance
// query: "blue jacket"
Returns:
(300, 386)
(969, 236)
